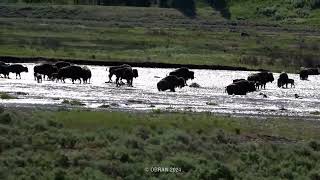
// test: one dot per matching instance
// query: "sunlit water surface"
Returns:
(211, 97)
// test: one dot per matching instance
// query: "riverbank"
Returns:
(98, 145)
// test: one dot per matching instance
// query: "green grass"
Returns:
(73, 102)
(4, 95)
(104, 145)
(160, 35)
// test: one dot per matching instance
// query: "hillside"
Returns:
(165, 35)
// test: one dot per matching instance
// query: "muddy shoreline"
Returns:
(14, 59)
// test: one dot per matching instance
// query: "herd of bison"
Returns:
(61, 70)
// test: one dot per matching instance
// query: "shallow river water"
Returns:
(211, 97)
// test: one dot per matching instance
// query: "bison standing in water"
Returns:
(241, 87)
(45, 70)
(261, 79)
(86, 74)
(305, 72)
(17, 69)
(4, 70)
(126, 73)
(284, 80)
(113, 69)
(184, 73)
(170, 82)
(72, 72)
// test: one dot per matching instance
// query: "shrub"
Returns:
(314, 145)
(5, 119)
(299, 3)
(4, 95)
(267, 11)
(315, 4)
(73, 102)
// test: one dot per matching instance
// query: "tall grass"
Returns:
(105, 145)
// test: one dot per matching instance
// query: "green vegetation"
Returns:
(73, 102)
(4, 95)
(104, 145)
(281, 34)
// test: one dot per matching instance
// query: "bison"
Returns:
(72, 72)
(170, 82)
(284, 80)
(4, 70)
(17, 69)
(114, 68)
(86, 74)
(126, 73)
(305, 72)
(45, 70)
(261, 79)
(183, 72)
(241, 87)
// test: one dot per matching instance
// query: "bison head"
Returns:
(191, 75)
(135, 73)
(24, 69)
(270, 77)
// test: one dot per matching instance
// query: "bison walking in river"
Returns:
(284, 80)
(170, 82)
(86, 74)
(4, 70)
(261, 79)
(113, 69)
(17, 69)
(45, 70)
(241, 87)
(305, 72)
(126, 73)
(184, 73)
(72, 72)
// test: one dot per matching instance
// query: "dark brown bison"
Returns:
(261, 79)
(170, 82)
(45, 70)
(283, 79)
(183, 72)
(4, 70)
(126, 73)
(114, 68)
(72, 72)
(241, 87)
(304, 73)
(86, 74)
(17, 69)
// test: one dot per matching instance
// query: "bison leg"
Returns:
(117, 81)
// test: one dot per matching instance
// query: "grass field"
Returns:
(159, 35)
(103, 145)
